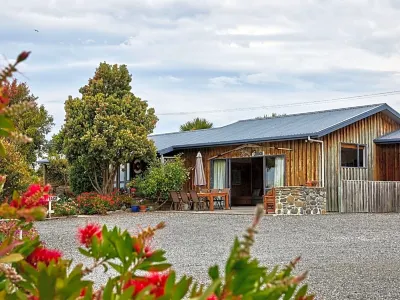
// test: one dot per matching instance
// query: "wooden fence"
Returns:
(370, 196)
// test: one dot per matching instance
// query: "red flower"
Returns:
(36, 195)
(157, 282)
(87, 233)
(44, 255)
(83, 292)
(138, 284)
(148, 252)
(212, 297)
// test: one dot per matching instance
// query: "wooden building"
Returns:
(319, 148)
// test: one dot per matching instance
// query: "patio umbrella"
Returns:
(199, 177)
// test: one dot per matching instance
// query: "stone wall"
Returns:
(300, 200)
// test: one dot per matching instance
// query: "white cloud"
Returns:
(284, 50)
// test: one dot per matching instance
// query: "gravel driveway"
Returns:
(351, 256)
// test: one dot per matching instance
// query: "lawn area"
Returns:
(349, 256)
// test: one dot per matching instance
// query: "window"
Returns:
(353, 155)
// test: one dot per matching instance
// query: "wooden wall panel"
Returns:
(361, 132)
(302, 164)
(388, 162)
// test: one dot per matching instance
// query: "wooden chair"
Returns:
(218, 201)
(205, 199)
(269, 202)
(228, 190)
(176, 201)
(185, 199)
(197, 203)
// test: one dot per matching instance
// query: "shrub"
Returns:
(12, 229)
(93, 203)
(65, 208)
(17, 169)
(79, 179)
(160, 179)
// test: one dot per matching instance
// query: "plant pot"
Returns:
(135, 208)
(143, 208)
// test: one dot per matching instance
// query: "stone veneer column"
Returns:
(300, 200)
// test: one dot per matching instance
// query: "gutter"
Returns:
(322, 158)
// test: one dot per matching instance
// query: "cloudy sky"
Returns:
(207, 55)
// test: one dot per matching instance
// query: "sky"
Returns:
(191, 56)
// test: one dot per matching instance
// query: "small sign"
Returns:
(255, 153)
(53, 198)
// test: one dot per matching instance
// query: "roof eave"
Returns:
(359, 117)
(235, 142)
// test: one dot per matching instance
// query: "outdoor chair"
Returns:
(185, 200)
(218, 201)
(176, 202)
(200, 204)
(205, 199)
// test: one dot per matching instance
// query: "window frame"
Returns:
(365, 155)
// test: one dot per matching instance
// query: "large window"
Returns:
(353, 155)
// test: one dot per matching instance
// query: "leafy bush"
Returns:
(159, 179)
(65, 208)
(17, 169)
(11, 229)
(93, 203)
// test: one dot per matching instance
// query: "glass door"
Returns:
(274, 174)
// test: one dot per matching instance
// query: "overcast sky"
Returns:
(206, 55)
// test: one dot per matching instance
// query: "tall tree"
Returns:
(33, 121)
(196, 124)
(107, 126)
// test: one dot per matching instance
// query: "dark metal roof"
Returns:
(289, 127)
(391, 138)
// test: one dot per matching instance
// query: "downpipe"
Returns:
(322, 158)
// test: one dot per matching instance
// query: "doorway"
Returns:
(247, 181)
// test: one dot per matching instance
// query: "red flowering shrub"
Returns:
(93, 203)
(44, 255)
(86, 234)
(155, 281)
(36, 195)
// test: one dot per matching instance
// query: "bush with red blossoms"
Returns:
(92, 203)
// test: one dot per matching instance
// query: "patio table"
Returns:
(210, 196)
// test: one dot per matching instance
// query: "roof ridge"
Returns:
(315, 112)
(186, 132)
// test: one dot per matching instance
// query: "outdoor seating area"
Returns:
(203, 200)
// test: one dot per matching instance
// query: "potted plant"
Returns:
(143, 206)
(135, 207)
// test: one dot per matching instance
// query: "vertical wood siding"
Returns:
(388, 165)
(301, 164)
(361, 132)
(370, 196)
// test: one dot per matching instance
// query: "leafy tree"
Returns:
(33, 121)
(273, 115)
(79, 178)
(108, 126)
(16, 167)
(196, 124)
(160, 179)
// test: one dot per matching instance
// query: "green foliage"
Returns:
(103, 131)
(79, 178)
(94, 203)
(19, 174)
(196, 124)
(273, 115)
(65, 208)
(159, 179)
(58, 171)
(33, 121)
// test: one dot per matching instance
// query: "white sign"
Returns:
(53, 198)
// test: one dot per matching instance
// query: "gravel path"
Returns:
(352, 256)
